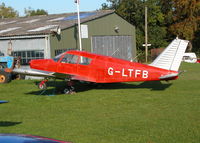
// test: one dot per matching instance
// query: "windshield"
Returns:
(57, 58)
(68, 58)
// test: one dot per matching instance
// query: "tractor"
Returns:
(7, 64)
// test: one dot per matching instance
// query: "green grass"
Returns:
(150, 112)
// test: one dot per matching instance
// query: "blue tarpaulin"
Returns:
(3, 101)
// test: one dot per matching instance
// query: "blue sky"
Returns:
(53, 6)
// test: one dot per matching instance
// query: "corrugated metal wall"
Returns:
(116, 46)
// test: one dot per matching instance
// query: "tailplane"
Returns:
(171, 57)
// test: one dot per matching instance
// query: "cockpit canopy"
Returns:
(72, 59)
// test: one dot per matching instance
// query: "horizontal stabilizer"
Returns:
(171, 57)
(169, 76)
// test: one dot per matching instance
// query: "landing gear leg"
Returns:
(43, 86)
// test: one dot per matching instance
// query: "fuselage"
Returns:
(99, 68)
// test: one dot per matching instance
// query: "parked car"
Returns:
(19, 138)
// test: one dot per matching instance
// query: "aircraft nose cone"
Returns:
(31, 63)
(40, 64)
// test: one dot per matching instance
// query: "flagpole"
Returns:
(79, 24)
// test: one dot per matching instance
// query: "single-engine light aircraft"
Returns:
(95, 68)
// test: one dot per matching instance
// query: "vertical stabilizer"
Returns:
(171, 57)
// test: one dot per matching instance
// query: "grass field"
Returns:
(151, 112)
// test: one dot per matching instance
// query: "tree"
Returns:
(31, 12)
(195, 43)
(182, 17)
(186, 17)
(133, 12)
(7, 12)
(166, 19)
(113, 4)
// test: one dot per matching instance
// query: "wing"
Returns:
(40, 73)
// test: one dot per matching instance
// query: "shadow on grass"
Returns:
(54, 88)
(153, 85)
(8, 123)
(58, 87)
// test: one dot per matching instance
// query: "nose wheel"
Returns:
(42, 85)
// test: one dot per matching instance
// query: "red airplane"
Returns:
(85, 66)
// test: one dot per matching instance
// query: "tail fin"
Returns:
(171, 57)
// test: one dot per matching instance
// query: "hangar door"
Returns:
(115, 46)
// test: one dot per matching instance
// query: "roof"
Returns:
(40, 25)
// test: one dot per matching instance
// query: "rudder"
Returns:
(171, 57)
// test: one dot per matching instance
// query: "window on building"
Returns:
(27, 56)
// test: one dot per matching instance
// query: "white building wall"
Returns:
(22, 45)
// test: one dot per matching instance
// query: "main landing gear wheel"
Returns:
(4, 77)
(69, 90)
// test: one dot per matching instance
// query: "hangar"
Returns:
(38, 37)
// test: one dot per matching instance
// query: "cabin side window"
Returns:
(71, 59)
(84, 60)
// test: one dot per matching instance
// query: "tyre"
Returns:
(66, 91)
(4, 77)
(42, 86)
